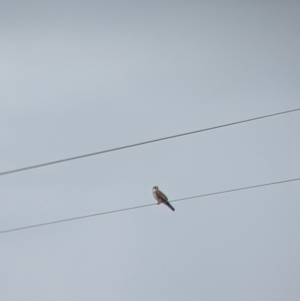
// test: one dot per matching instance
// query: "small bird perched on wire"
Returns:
(161, 198)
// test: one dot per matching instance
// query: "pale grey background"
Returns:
(82, 76)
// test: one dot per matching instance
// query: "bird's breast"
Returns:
(155, 196)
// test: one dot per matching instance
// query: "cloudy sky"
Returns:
(78, 77)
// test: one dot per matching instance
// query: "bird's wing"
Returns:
(161, 195)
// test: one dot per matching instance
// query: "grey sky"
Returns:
(83, 76)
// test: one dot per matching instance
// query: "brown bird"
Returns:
(161, 198)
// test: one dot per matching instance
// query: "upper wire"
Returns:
(142, 143)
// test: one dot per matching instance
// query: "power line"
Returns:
(143, 206)
(142, 143)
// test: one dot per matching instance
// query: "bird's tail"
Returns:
(169, 205)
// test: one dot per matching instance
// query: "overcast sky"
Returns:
(78, 77)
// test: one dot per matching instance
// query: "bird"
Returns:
(161, 198)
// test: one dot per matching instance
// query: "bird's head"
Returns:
(155, 188)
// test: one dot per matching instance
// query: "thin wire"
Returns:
(142, 143)
(143, 206)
